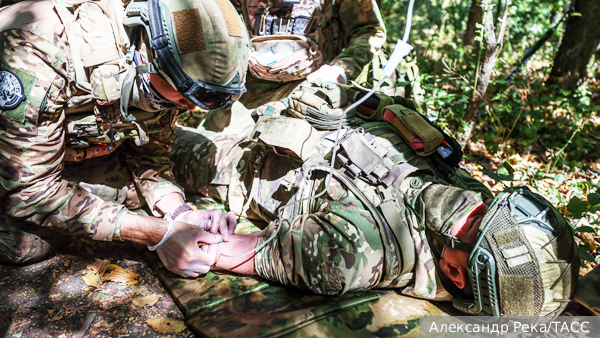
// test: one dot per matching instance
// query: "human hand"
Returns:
(217, 222)
(180, 252)
(328, 73)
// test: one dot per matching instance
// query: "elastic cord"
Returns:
(167, 234)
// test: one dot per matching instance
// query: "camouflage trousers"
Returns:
(22, 242)
(258, 93)
(334, 249)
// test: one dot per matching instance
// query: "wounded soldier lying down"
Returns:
(391, 217)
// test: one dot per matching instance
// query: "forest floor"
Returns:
(52, 299)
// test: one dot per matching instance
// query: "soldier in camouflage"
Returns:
(86, 120)
(346, 34)
(350, 237)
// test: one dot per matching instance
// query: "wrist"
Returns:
(165, 236)
(181, 210)
(169, 203)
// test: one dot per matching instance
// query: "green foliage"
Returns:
(519, 114)
(504, 173)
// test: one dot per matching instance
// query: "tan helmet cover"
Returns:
(210, 39)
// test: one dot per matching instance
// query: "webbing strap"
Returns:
(100, 57)
(75, 37)
(127, 84)
(407, 246)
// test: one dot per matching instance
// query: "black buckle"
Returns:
(450, 241)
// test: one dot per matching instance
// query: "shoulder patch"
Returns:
(12, 92)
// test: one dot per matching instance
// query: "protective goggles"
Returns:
(203, 94)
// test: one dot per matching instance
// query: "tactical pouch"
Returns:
(266, 24)
(286, 136)
(302, 24)
(282, 26)
(424, 138)
(283, 58)
(372, 108)
(257, 23)
(320, 104)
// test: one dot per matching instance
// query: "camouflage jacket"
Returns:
(350, 31)
(34, 46)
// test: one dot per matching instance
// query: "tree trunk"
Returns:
(484, 73)
(582, 36)
(475, 15)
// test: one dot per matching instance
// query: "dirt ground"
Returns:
(51, 299)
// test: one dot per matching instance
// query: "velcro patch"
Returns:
(518, 260)
(516, 295)
(188, 29)
(14, 89)
(234, 28)
(507, 237)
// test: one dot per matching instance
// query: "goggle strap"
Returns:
(452, 242)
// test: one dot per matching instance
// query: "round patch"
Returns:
(416, 182)
(11, 90)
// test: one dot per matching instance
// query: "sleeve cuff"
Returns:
(106, 226)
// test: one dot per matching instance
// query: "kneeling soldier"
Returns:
(89, 93)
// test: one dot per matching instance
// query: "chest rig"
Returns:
(372, 162)
(98, 44)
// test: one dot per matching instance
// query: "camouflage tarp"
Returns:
(227, 305)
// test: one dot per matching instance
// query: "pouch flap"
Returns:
(418, 133)
(287, 136)
(372, 108)
(275, 38)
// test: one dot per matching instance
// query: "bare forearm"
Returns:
(237, 245)
(145, 230)
(150, 230)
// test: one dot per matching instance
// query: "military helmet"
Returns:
(201, 47)
(524, 262)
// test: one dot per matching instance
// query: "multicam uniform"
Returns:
(334, 243)
(348, 32)
(38, 189)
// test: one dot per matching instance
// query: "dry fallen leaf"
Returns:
(166, 325)
(99, 266)
(59, 316)
(139, 290)
(112, 267)
(92, 279)
(121, 275)
(146, 300)
(589, 239)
